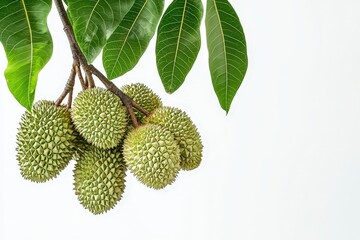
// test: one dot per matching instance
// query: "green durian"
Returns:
(152, 155)
(143, 96)
(184, 131)
(80, 145)
(45, 141)
(99, 117)
(99, 179)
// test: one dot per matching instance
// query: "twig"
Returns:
(114, 89)
(80, 76)
(70, 96)
(135, 105)
(90, 79)
(68, 87)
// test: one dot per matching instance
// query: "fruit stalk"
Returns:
(80, 76)
(68, 89)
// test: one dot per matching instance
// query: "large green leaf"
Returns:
(227, 50)
(27, 43)
(94, 21)
(130, 40)
(178, 42)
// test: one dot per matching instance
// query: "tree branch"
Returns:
(68, 87)
(90, 69)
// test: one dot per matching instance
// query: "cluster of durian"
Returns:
(97, 132)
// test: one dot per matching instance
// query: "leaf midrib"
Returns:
(127, 35)
(31, 48)
(177, 45)
(92, 12)
(226, 67)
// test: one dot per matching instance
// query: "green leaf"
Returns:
(178, 42)
(227, 50)
(94, 21)
(131, 38)
(27, 43)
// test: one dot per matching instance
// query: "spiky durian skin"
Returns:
(45, 141)
(99, 179)
(80, 145)
(152, 155)
(143, 96)
(99, 117)
(184, 131)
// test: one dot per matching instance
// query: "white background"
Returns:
(283, 165)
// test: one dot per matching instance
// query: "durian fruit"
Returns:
(45, 141)
(143, 96)
(152, 155)
(184, 131)
(99, 179)
(80, 145)
(99, 117)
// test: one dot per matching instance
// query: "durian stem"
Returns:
(135, 105)
(90, 78)
(70, 96)
(91, 70)
(68, 87)
(80, 76)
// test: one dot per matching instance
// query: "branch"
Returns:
(70, 96)
(135, 105)
(128, 102)
(90, 69)
(68, 88)
(80, 76)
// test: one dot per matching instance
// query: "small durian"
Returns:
(184, 131)
(99, 117)
(45, 141)
(152, 155)
(99, 179)
(143, 96)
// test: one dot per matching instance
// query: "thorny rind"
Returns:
(90, 70)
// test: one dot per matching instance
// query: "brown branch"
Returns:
(113, 88)
(138, 107)
(80, 76)
(90, 69)
(90, 78)
(126, 100)
(68, 87)
(110, 85)
(86, 82)
(67, 25)
(132, 116)
(70, 96)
